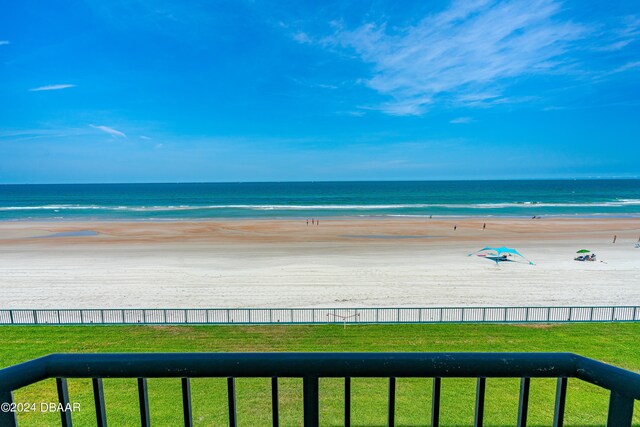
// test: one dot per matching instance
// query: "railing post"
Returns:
(63, 399)
(186, 402)
(231, 397)
(347, 402)
(561, 396)
(310, 402)
(11, 316)
(143, 398)
(523, 403)
(480, 389)
(7, 418)
(620, 411)
(435, 402)
(391, 419)
(274, 402)
(98, 398)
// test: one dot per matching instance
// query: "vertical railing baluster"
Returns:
(561, 397)
(523, 401)
(275, 415)
(186, 402)
(231, 398)
(7, 418)
(98, 399)
(347, 402)
(391, 418)
(620, 411)
(310, 401)
(63, 399)
(143, 399)
(435, 402)
(480, 389)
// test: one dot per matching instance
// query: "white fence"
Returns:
(320, 315)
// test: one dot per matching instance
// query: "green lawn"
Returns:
(617, 344)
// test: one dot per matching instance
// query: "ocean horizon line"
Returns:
(632, 178)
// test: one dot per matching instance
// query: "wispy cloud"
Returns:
(469, 52)
(461, 120)
(51, 87)
(301, 37)
(146, 138)
(4, 42)
(111, 131)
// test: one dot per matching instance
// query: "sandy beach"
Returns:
(338, 263)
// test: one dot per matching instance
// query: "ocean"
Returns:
(194, 201)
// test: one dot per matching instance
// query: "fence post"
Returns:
(11, 316)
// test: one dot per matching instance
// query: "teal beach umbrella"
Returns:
(500, 251)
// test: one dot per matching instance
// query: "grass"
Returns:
(616, 344)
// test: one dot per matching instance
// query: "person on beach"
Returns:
(484, 226)
(307, 221)
(614, 238)
(455, 227)
(312, 221)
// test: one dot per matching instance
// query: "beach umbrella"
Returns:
(583, 251)
(500, 251)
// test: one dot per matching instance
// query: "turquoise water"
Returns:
(320, 199)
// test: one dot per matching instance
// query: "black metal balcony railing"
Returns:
(623, 385)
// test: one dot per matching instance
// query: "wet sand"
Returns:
(339, 263)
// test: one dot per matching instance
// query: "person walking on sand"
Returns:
(312, 221)
(307, 221)
(614, 238)
(455, 227)
(484, 226)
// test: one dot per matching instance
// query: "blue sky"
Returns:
(166, 91)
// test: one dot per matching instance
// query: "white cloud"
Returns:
(4, 42)
(111, 131)
(51, 87)
(467, 53)
(301, 37)
(145, 137)
(461, 120)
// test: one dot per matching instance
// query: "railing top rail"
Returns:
(163, 365)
